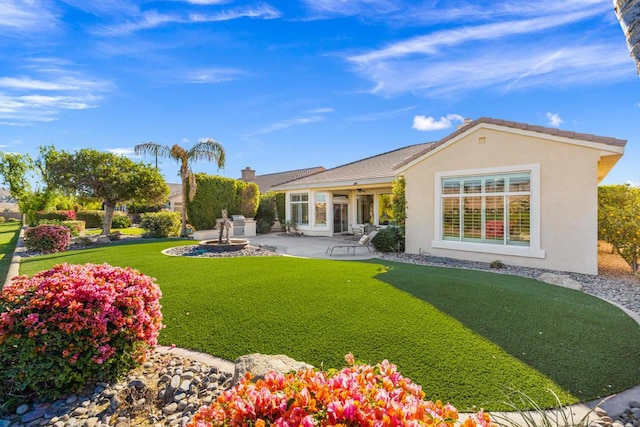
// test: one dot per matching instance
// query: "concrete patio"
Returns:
(313, 247)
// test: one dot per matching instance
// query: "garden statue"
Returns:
(225, 224)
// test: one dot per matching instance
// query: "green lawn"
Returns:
(8, 239)
(465, 336)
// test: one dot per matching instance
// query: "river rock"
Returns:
(560, 280)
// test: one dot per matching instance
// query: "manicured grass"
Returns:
(129, 231)
(9, 232)
(466, 337)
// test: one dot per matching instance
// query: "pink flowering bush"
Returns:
(73, 324)
(358, 395)
(47, 238)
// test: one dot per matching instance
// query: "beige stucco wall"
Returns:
(568, 196)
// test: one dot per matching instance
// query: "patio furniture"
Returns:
(364, 242)
(356, 232)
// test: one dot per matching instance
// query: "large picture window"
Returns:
(493, 209)
(299, 203)
(364, 213)
(320, 209)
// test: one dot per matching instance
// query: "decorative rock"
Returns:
(560, 280)
(103, 240)
(71, 399)
(91, 422)
(137, 384)
(260, 364)
(185, 385)
(33, 415)
(80, 410)
(22, 409)
(170, 409)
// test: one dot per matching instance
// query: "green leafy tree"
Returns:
(14, 170)
(209, 150)
(110, 178)
(619, 220)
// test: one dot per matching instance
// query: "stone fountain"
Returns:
(223, 244)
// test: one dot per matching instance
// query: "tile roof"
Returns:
(516, 125)
(265, 182)
(378, 166)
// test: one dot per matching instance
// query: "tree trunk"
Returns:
(183, 208)
(628, 12)
(109, 208)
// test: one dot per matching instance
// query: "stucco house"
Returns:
(492, 190)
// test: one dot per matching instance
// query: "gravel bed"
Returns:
(196, 251)
(625, 292)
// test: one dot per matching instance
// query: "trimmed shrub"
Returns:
(161, 224)
(47, 238)
(75, 227)
(55, 215)
(2, 219)
(120, 220)
(250, 196)
(93, 219)
(73, 324)
(267, 208)
(263, 227)
(389, 240)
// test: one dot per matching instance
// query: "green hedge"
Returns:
(160, 224)
(215, 193)
(92, 219)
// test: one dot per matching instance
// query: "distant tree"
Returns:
(14, 170)
(209, 150)
(619, 221)
(110, 178)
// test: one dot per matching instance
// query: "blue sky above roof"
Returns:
(291, 84)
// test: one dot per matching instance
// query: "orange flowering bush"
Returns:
(358, 395)
(72, 324)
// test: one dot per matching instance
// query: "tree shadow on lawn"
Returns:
(584, 344)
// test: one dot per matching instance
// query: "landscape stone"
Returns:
(260, 364)
(22, 409)
(560, 280)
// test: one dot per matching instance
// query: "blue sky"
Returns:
(291, 84)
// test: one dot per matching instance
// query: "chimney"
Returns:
(464, 123)
(248, 174)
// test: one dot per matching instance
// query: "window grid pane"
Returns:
(495, 209)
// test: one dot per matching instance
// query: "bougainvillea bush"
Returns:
(73, 324)
(47, 238)
(358, 395)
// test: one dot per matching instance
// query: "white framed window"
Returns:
(495, 210)
(299, 205)
(320, 201)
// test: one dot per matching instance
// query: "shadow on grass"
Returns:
(584, 344)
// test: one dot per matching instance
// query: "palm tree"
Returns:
(208, 149)
(628, 12)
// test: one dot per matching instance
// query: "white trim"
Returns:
(532, 251)
(333, 185)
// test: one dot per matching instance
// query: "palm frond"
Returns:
(209, 150)
(152, 148)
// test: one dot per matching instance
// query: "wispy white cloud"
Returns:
(313, 116)
(554, 120)
(145, 21)
(507, 52)
(424, 123)
(213, 75)
(47, 92)
(27, 16)
(263, 11)
(327, 8)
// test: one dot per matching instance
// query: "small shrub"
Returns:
(496, 264)
(75, 227)
(120, 220)
(389, 239)
(358, 395)
(73, 324)
(47, 238)
(160, 224)
(93, 219)
(2, 219)
(263, 227)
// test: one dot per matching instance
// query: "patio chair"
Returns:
(364, 242)
(356, 232)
